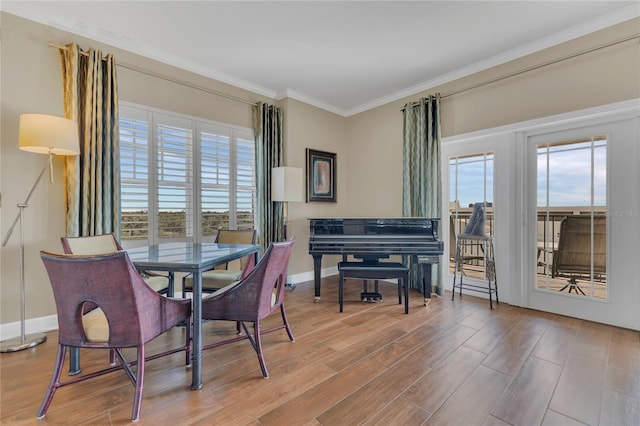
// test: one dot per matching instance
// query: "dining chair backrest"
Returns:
(95, 244)
(108, 243)
(111, 282)
(261, 291)
(236, 236)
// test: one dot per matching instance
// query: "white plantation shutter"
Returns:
(245, 180)
(134, 175)
(174, 139)
(187, 156)
(215, 179)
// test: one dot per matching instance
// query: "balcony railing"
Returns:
(547, 237)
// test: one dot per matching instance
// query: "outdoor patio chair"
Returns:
(475, 234)
(573, 258)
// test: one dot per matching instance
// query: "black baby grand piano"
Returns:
(372, 239)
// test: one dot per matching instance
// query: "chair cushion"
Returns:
(157, 283)
(216, 278)
(224, 289)
(96, 244)
(96, 326)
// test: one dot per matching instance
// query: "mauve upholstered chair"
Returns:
(101, 244)
(128, 314)
(258, 294)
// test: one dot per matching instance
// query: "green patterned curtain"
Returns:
(267, 126)
(92, 179)
(421, 170)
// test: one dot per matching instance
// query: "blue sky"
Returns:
(569, 169)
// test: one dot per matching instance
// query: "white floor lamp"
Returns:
(286, 186)
(42, 134)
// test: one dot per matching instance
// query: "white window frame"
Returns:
(236, 136)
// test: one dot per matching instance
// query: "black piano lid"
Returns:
(374, 226)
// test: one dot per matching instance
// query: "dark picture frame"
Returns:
(321, 176)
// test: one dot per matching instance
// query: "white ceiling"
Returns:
(345, 57)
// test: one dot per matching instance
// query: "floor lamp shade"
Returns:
(48, 134)
(286, 184)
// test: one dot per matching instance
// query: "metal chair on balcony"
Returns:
(468, 258)
(474, 234)
(574, 258)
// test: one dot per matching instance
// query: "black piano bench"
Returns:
(375, 271)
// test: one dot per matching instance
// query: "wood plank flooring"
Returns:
(452, 363)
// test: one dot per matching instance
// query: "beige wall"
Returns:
(31, 83)
(310, 127)
(599, 78)
(368, 145)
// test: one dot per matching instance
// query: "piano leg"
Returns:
(426, 283)
(427, 262)
(317, 267)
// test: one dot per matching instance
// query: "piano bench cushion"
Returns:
(373, 269)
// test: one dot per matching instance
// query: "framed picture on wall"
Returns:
(321, 176)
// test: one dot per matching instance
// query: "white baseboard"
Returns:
(34, 325)
(308, 276)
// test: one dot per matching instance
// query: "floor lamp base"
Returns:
(18, 343)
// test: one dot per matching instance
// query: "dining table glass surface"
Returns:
(193, 258)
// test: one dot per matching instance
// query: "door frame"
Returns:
(503, 148)
(620, 306)
(513, 206)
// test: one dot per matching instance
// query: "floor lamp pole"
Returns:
(24, 341)
(288, 285)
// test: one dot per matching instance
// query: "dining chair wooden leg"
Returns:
(258, 347)
(286, 323)
(54, 384)
(188, 343)
(137, 399)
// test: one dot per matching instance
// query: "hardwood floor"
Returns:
(452, 363)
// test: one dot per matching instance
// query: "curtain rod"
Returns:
(535, 67)
(164, 77)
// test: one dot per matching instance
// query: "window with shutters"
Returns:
(183, 178)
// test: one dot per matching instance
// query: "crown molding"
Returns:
(292, 94)
(571, 33)
(602, 22)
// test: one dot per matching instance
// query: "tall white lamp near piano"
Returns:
(42, 134)
(286, 186)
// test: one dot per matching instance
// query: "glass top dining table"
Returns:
(193, 258)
